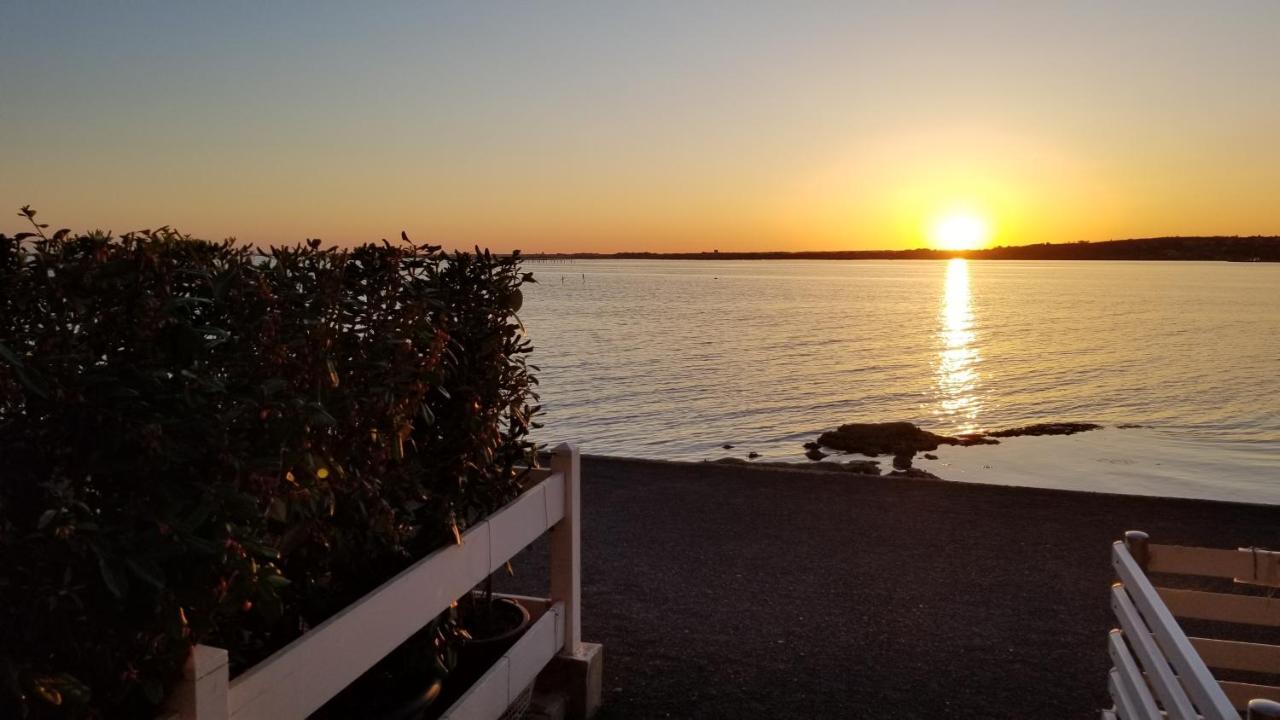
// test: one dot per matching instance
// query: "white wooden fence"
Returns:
(302, 676)
(1157, 670)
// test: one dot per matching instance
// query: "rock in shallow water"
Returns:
(862, 467)
(914, 474)
(1045, 429)
(968, 439)
(904, 439)
(853, 467)
(902, 460)
(891, 438)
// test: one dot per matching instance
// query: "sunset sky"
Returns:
(644, 126)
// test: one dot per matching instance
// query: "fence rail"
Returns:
(1157, 670)
(301, 677)
(503, 683)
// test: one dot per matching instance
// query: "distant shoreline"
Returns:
(1257, 248)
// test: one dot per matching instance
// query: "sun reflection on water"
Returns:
(957, 369)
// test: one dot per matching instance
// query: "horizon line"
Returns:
(950, 252)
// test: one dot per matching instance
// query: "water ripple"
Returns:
(673, 359)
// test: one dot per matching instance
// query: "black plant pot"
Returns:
(494, 624)
(416, 702)
(404, 687)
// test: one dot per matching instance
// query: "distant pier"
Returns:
(546, 260)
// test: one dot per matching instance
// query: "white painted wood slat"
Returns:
(534, 649)
(298, 679)
(517, 669)
(203, 692)
(555, 498)
(1172, 697)
(1224, 607)
(1247, 565)
(509, 528)
(1144, 704)
(301, 677)
(1195, 676)
(1125, 708)
(488, 698)
(1234, 655)
(1241, 693)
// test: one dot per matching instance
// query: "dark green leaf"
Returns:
(46, 517)
(112, 577)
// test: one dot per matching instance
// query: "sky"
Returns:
(665, 126)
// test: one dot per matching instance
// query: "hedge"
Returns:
(201, 442)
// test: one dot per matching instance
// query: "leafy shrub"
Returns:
(203, 443)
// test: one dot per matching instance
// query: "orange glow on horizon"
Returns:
(808, 131)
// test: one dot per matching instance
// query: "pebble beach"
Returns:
(729, 591)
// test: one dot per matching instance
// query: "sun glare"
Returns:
(960, 231)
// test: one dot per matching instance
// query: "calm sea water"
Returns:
(673, 359)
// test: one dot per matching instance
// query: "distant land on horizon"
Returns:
(1255, 248)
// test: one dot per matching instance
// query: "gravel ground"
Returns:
(739, 592)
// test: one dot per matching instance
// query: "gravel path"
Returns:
(738, 592)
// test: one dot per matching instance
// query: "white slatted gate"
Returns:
(1157, 671)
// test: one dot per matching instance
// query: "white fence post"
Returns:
(202, 695)
(566, 547)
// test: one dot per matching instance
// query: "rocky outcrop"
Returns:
(902, 460)
(903, 440)
(906, 439)
(914, 474)
(1045, 429)
(862, 467)
(853, 467)
(891, 438)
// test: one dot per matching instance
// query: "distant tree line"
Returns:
(1255, 248)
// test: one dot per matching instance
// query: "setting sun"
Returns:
(960, 231)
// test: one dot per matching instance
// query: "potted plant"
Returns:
(407, 684)
(491, 624)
